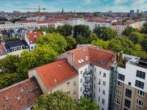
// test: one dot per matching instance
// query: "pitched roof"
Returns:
(20, 96)
(91, 54)
(32, 36)
(56, 73)
(16, 43)
(2, 49)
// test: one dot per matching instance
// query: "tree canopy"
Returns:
(61, 101)
(53, 40)
(71, 42)
(105, 33)
(129, 30)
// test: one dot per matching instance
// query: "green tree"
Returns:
(51, 30)
(129, 30)
(61, 30)
(12, 39)
(8, 64)
(53, 40)
(82, 30)
(92, 37)
(8, 79)
(100, 43)
(144, 45)
(136, 37)
(55, 101)
(68, 29)
(71, 42)
(105, 33)
(86, 104)
(80, 39)
(144, 28)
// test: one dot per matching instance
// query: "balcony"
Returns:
(87, 74)
(87, 92)
(87, 83)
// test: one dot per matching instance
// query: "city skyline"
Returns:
(74, 5)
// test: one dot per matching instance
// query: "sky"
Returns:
(77, 5)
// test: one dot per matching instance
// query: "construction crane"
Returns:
(38, 10)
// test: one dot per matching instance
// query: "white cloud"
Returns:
(120, 2)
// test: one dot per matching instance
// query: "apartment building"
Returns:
(97, 70)
(56, 76)
(131, 87)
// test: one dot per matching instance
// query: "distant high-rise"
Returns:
(137, 10)
(131, 11)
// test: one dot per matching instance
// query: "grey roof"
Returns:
(17, 43)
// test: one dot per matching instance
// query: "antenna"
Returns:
(38, 10)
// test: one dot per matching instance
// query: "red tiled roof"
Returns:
(41, 22)
(2, 49)
(56, 73)
(32, 36)
(20, 96)
(94, 55)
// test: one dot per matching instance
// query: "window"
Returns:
(141, 93)
(99, 89)
(31, 47)
(104, 92)
(115, 108)
(95, 69)
(68, 83)
(61, 90)
(102, 108)
(104, 83)
(86, 70)
(74, 83)
(117, 92)
(81, 89)
(74, 93)
(100, 73)
(94, 86)
(139, 84)
(81, 80)
(129, 83)
(140, 74)
(125, 109)
(99, 98)
(127, 103)
(104, 75)
(81, 72)
(117, 101)
(68, 92)
(99, 81)
(128, 93)
(121, 77)
(139, 103)
(0, 51)
(103, 101)
(119, 83)
(94, 77)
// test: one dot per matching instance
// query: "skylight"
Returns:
(82, 60)
(79, 61)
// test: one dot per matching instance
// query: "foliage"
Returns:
(129, 30)
(12, 39)
(86, 104)
(55, 101)
(28, 60)
(8, 64)
(144, 45)
(80, 39)
(8, 79)
(83, 30)
(92, 37)
(61, 101)
(105, 33)
(71, 42)
(100, 43)
(53, 40)
(144, 28)
(136, 37)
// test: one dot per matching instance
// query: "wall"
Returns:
(18, 52)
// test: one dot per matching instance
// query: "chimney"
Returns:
(113, 57)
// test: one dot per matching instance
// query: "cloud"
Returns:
(120, 2)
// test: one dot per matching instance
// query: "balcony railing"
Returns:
(87, 92)
(87, 83)
(87, 74)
